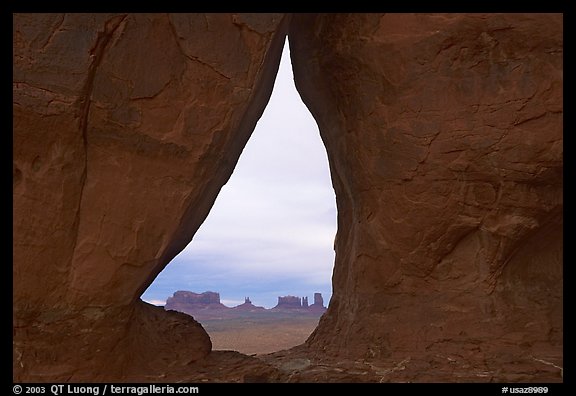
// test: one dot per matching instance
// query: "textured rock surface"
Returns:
(444, 134)
(125, 129)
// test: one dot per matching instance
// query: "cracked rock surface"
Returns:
(445, 140)
(445, 136)
(125, 129)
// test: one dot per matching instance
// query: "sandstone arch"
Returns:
(444, 136)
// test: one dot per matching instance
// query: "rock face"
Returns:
(444, 136)
(189, 302)
(125, 128)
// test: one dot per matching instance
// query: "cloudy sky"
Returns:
(271, 231)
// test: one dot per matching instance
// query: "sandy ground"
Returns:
(259, 335)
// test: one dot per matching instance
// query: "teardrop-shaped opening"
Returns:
(266, 251)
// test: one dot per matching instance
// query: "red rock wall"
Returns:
(125, 129)
(444, 134)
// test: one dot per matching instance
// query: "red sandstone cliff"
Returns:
(126, 126)
(444, 135)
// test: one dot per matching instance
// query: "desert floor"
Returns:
(259, 335)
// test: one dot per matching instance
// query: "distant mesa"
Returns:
(187, 301)
(293, 302)
(208, 304)
(289, 302)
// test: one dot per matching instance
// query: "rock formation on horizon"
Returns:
(318, 304)
(300, 303)
(289, 302)
(248, 306)
(190, 302)
(444, 134)
(200, 304)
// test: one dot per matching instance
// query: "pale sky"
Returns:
(271, 231)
